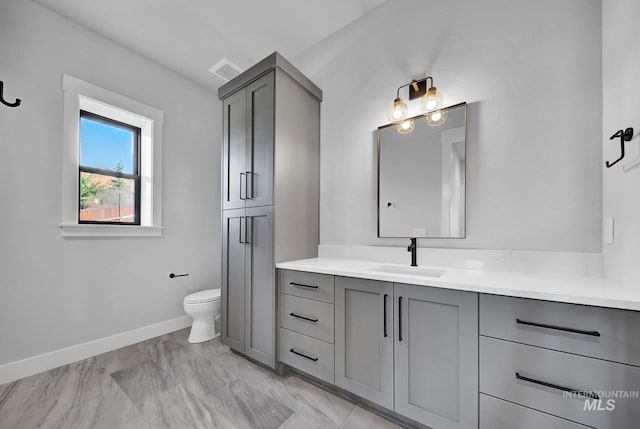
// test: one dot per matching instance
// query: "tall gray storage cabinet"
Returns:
(270, 195)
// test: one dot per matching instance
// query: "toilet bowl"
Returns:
(204, 308)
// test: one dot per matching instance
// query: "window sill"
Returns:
(86, 230)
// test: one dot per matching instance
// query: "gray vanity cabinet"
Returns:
(436, 356)
(248, 145)
(575, 362)
(270, 195)
(412, 349)
(498, 414)
(260, 298)
(248, 281)
(233, 278)
(234, 144)
(364, 338)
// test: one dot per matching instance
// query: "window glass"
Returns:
(107, 199)
(106, 146)
(109, 165)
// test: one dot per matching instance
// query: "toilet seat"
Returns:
(202, 296)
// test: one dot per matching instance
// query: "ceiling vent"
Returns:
(225, 69)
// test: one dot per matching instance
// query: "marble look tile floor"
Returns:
(166, 382)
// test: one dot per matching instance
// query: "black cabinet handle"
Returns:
(384, 315)
(303, 285)
(577, 392)
(315, 359)
(240, 231)
(245, 187)
(248, 229)
(304, 317)
(399, 319)
(558, 328)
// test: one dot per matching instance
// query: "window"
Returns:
(109, 171)
(112, 164)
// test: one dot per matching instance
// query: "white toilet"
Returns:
(204, 308)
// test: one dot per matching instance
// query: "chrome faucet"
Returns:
(413, 248)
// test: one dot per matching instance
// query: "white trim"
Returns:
(94, 92)
(86, 96)
(92, 230)
(46, 361)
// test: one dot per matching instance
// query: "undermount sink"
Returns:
(410, 271)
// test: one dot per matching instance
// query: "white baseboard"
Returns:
(46, 361)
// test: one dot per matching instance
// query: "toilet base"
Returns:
(202, 330)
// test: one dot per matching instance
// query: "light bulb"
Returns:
(407, 126)
(397, 111)
(432, 100)
(438, 117)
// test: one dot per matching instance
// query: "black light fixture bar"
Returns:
(417, 88)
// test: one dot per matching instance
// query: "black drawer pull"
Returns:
(303, 355)
(399, 319)
(384, 315)
(559, 328)
(577, 392)
(304, 317)
(303, 285)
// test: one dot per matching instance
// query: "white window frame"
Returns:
(81, 95)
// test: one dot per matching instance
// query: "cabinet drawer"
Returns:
(307, 316)
(499, 414)
(590, 331)
(538, 378)
(307, 354)
(307, 285)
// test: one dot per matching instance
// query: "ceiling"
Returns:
(190, 36)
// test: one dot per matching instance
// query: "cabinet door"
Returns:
(233, 278)
(364, 338)
(260, 286)
(260, 141)
(436, 356)
(234, 174)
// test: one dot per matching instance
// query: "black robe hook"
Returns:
(625, 136)
(5, 102)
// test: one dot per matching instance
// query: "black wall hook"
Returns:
(5, 102)
(625, 136)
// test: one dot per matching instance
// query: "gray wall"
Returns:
(621, 109)
(532, 68)
(55, 292)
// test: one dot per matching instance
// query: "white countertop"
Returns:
(572, 289)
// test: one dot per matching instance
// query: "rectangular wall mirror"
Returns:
(421, 176)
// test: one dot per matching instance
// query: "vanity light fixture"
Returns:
(397, 111)
(406, 126)
(437, 117)
(430, 100)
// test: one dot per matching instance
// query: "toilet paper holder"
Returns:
(174, 275)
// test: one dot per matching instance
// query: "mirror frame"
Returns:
(464, 235)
